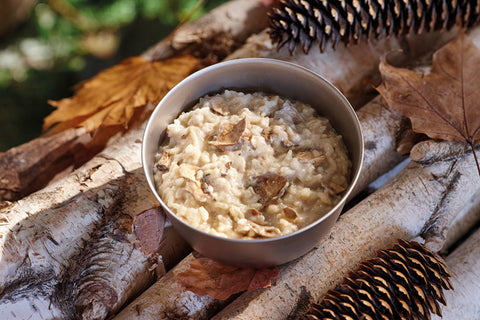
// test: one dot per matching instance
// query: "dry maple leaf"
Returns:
(206, 277)
(113, 96)
(443, 104)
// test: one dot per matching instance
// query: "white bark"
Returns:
(463, 222)
(464, 264)
(430, 151)
(166, 299)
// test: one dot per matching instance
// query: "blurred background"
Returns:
(46, 47)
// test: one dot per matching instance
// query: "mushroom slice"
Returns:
(196, 191)
(163, 164)
(313, 156)
(265, 231)
(266, 134)
(193, 185)
(270, 186)
(289, 113)
(253, 212)
(290, 213)
(218, 105)
(233, 135)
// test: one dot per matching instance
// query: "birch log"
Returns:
(464, 264)
(43, 235)
(464, 221)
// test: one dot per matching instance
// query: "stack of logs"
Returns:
(68, 250)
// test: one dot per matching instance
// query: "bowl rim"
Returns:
(212, 68)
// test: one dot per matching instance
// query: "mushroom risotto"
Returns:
(250, 166)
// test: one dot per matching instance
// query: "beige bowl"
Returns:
(271, 76)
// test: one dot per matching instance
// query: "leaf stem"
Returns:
(474, 155)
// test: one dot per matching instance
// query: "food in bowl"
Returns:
(251, 165)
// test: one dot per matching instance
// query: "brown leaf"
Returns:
(112, 97)
(148, 227)
(206, 277)
(444, 103)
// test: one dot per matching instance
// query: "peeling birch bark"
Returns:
(114, 266)
(398, 210)
(464, 264)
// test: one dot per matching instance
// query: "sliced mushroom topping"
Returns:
(290, 213)
(269, 186)
(313, 156)
(164, 162)
(253, 212)
(288, 144)
(265, 231)
(219, 106)
(196, 191)
(289, 113)
(266, 134)
(233, 135)
(194, 185)
(205, 185)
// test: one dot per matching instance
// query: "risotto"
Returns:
(250, 166)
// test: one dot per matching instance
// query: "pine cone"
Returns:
(401, 283)
(304, 22)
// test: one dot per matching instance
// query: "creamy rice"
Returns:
(251, 166)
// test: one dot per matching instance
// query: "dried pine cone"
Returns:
(401, 283)
(304, 22)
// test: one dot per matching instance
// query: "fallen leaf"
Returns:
(113, 96)
(443, 104)
(148, 227)
(206, 277)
